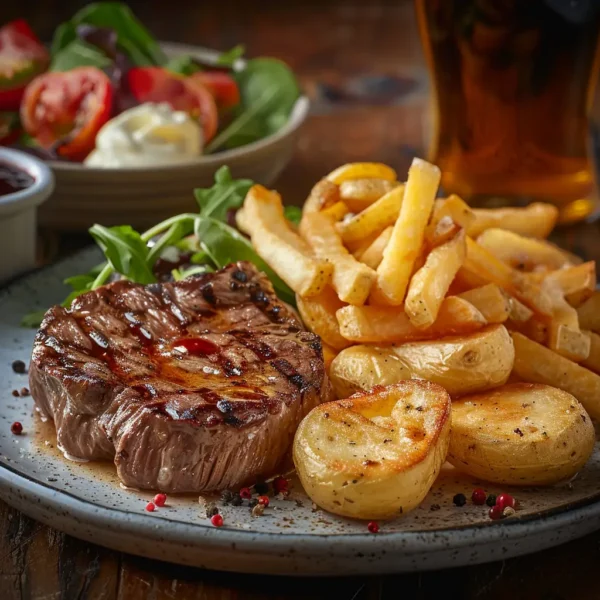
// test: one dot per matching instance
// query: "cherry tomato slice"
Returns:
(67, 109)
(22, 57)
(154, 84)
(221, 85)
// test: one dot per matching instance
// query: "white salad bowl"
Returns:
(18, 214)
(142, 196)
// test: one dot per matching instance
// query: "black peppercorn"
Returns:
(459, 499)
(261, 488)
(491, 500)
(18, 366)
(211, 510)
(236, 501)
(227, 496)
(252, 503)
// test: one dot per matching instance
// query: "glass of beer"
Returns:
(513, 88)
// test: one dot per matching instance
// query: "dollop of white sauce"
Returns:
(147, 135)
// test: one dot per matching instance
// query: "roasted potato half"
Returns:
(520, 434)
(461, 364)
(376, 454)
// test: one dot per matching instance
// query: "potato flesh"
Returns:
(520, 434)
(375, 455)
(460, 364)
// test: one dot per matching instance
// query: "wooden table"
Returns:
(362, 66)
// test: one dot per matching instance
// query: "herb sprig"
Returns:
(132, 255)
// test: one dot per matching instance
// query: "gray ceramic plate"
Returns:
(86, 500)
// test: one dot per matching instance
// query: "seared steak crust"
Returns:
(196, 385)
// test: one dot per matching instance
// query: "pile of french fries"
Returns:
(400, 285)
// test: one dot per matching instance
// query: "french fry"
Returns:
(490, 301)
(537, 364)
(483, 266)
(589, 313)
(329, 354)
(360, 247)
(395, 269)
(351, 279)
(374, 218)
(429, 285)
(518, 312)
(449, 215)
(564, 335)
(387, 324)
(592, 362)
(524, 253)
(572, 280)
(275, 242)
(373, 255)
(336, 211)
(360, 170)
(360, 193)
(536, 220)
(319, 315)
(323, 195)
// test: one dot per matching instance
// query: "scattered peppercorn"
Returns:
(24, 392)
(264, 500)
(280, 485)
(261, 487)
(478, 496)
(211, 510)
(16, 428)
(227, 496)
(496, 512)
(236, 501)
(459, 499)
(504, 500)
(245, 493)
(150, 507)
(160, 499)
(508, 511)
(373, 527)
(217, 520)
(15, 393)
(252, 503)
(18, 366)
(491, 500)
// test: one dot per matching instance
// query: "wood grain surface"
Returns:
(362, 66)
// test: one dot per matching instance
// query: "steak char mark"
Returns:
(191, 386)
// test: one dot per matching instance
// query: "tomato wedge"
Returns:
(67, 109)
(154, 84)
(221, 85)
(22, 57)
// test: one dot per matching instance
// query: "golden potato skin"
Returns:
(520, 434)
(374, 455)
(460, 364)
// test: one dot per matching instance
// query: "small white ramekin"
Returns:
(18, 214)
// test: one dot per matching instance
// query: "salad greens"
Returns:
(214, 245)
(268, 91)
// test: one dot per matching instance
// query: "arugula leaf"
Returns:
(33, 319)
(177, 231)
(179, 274)
(183, 65)
(227, 193)
(293, 214)
(225, 245)
(79, 54)
(64, 34)
(125, 250)
(133, 38)
(228, 58)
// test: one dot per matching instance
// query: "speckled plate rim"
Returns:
(389, 552)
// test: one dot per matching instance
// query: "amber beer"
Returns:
(514, 83)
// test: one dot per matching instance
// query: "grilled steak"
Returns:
(196, 385)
